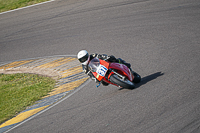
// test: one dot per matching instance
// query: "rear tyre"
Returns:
(122, 83)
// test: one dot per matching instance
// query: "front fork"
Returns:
(110, 72)
(122, 77)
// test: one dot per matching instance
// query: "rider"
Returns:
(85, 58)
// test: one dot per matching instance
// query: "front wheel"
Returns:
(137, 78)
(120, 82)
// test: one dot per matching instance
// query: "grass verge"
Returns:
(17, 91)
(6, 5)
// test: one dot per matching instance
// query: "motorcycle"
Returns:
(113, 73)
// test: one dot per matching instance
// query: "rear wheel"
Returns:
(122, 83)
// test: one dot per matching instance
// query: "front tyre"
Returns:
(120, 82)
(137, 78)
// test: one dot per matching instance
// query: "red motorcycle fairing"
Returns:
(122, 69)
(106, 64)
(99, 68)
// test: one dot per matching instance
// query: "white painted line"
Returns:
(27, 7)
(76, 90)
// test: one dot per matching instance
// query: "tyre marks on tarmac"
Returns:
(65, 69)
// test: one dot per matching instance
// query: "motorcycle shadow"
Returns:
(147, 79)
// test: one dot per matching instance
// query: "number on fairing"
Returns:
(101, 70)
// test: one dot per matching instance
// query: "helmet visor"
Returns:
(84, 58)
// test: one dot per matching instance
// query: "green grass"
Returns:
(17, 91)
(6, 5)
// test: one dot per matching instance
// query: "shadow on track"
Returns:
(148, 79)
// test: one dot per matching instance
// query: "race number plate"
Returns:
(101, 70)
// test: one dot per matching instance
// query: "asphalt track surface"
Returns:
(161, 39)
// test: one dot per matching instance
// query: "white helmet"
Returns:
(83, 57)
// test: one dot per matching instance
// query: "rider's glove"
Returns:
(94, 55)
(111, 58)
(104, 56)
(107, 58)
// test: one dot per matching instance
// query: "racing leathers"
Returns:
(105, 57)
